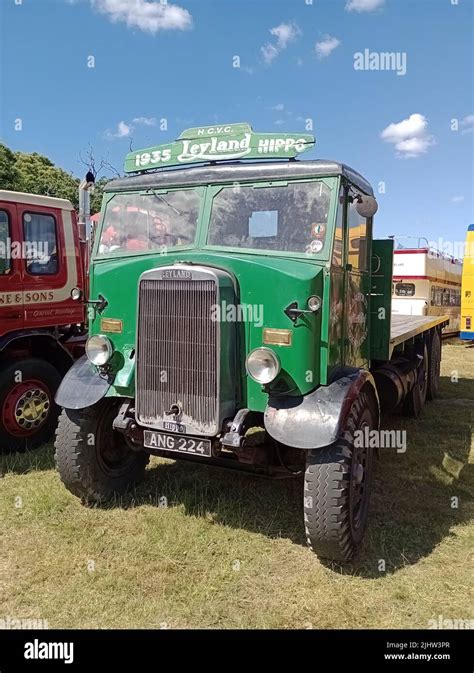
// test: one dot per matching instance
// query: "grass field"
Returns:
(228, 550)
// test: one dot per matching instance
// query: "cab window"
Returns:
(357, 240)
(405, 289)
(337, 251)
(41, 245)
(5, 257)
(280, 218)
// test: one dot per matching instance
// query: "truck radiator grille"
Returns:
(177, 353)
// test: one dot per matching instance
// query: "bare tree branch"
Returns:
(96, 167)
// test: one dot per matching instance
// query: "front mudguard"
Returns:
(82, 386)
(316, 420)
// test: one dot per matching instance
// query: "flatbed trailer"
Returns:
(241, 318)
(405, 328)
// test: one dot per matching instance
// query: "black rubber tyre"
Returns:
(416, 398)
(337, 486)
(28, 414)
(434, 366)
(94, 461)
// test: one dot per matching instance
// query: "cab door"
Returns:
(358, 236)
(11, 295)
(43, 267)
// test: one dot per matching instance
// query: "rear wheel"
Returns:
(434, 366)
(28, 414)
(93, 460)
(416, 398)
(337, 486)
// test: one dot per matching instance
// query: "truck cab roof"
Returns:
(35, 200)
(239, 172)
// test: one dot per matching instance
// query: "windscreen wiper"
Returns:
(163, 200)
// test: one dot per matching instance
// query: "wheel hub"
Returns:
(26, 408)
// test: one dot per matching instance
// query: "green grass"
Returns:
(229, 550)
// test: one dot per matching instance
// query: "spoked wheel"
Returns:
(337, 486)
(94, 461)
(28, 414)
(416, 398)
(434, 366)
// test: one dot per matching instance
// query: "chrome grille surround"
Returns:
(178, 349)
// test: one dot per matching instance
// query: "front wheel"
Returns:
(93, 460)
(337, 486)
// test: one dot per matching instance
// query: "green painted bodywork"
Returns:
(381, 299)
(321, 342)
(273, 282)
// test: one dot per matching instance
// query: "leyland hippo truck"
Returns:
(241, 319)
(42, 261)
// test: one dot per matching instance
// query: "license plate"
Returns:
(177, 443)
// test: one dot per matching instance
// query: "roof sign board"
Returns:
(219, 143)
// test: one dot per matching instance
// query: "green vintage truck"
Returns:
(240, 317)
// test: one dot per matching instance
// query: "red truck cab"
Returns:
(41, 262)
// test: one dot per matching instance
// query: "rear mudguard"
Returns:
(316, 420)
(82, 386)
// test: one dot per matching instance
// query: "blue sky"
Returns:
(175, 62)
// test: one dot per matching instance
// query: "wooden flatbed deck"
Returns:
(404, 327)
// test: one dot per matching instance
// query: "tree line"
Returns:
(36, 174)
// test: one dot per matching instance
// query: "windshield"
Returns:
(286, 218)
(140, 222)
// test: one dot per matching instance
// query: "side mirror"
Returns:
(366, 206)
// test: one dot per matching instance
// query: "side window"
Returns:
(357, 252)
(405, 289)
(5, 258)
(338, 233)
(41, 244)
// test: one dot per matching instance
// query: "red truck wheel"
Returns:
(28, 414)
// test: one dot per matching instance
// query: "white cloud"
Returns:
(326, 46)
(279, 107)
(410, 136)
(285, 33)
(150, 16)
(269, 53)
(145, 121)
(279, 122)
(363, 5)
(123, 130)
(457, 199)
(467, 124)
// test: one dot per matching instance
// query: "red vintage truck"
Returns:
(43, 261)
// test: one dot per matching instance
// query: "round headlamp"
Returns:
(76, 294)
(263, 365)
(99, 349)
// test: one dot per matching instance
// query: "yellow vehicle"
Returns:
(467, 290)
